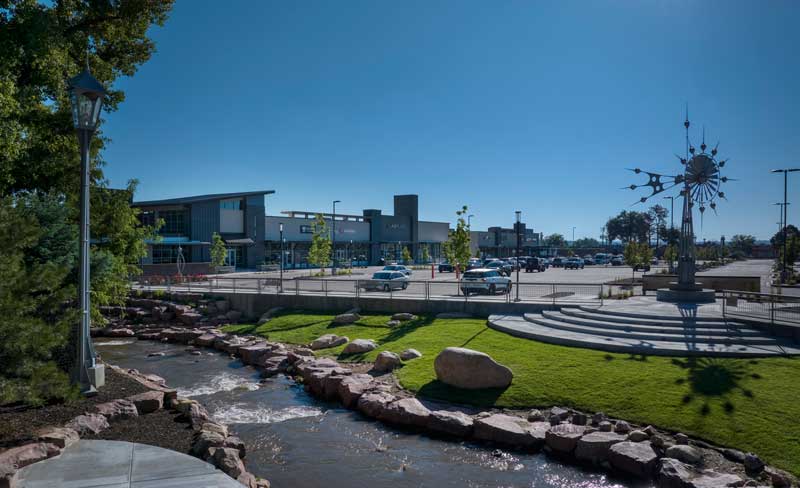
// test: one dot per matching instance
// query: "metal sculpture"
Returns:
(700, 184)
(180, 261)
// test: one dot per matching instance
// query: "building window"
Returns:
(174, 222)
(306, 229)
(148, 218)
(230, 204)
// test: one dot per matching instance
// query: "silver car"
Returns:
(386, 281)
(484, 280)
(398, 267)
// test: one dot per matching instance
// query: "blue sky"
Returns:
(503, 106)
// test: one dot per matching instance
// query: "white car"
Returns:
(385, 281)
(398, 267)
(483, 280)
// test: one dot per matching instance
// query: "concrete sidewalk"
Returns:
(114, 464)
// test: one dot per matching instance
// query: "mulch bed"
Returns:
(160, 428)
(18, 424)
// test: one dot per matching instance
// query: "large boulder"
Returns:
(676, 474)
(457, 424)
(19, 457)
(410, 354)
(685, 453)
(386, 361)
(406, 411)
(373, 404)
(328, 340)
(358, 346)
(267, 316)
(228, 461)
(633, 458)
(255, 354)
(346, 318)
(92, 423)
(593, 447)
(352, 387)
(510, 431)
(563, 438)
(117, 409)
(465, 368)
(60, 436)
(148, 402)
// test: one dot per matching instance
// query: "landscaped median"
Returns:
(747, 404)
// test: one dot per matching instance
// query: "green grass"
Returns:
(752, 404)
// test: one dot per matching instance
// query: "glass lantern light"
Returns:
(86, 95)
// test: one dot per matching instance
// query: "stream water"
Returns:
(294, 440)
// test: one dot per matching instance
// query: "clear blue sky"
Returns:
(503, 106)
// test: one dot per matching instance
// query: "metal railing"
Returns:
(420, 290)
(775, 309)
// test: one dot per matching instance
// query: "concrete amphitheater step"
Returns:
(516, 325)
(621, 313)
(634, 325)
(606, 315)
(554, 322)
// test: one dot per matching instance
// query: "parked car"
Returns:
(535, 264)
(485, 280)
(558, 262)
(573, 263)
(385, 281)
(398, 267)
(474, 263)
(588, 259)
(546, 262)
(654, 261)
(446, 267)
(617, 261)
(501, 266)
(642, 267)
(601, 258)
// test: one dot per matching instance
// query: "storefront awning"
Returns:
(240, 242)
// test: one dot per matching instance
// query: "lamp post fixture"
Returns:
(469, 220)
(785, 172)
(518, 225)
(86, 97)
(722, 250)
(280, 231)
(333, 238)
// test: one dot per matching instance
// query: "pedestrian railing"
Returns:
(775, 309)
(420, 290)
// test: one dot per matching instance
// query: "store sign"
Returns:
(395, 226)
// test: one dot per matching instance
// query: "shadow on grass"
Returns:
(713, 377)
(474, 336)
(436, 390)
(405, 328)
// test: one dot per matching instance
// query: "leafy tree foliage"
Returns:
(742, 244)
(407, 256)
(218, 251)
(586, 242)
(629, 226)
(456, 249)
(41, 45)
(425, 253)
(320, 252)
(555, 240)
(637, 254)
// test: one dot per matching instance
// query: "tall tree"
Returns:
(555, 240)
(219, 253)
(742, 244)
(456, 249)
(628, 226)
(319, 254)
(658, 215)
(585, 242)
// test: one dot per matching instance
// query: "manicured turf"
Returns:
(752, 405)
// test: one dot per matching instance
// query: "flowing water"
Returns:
(294, 440)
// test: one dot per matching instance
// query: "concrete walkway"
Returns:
(114, 464)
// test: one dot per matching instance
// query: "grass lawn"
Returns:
(749, 404)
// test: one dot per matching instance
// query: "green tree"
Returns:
(320, 252)
(555, 240)
(743, 244)
(457, 249)
(425, 253)
(218, 251)
(407, 255)
(42, 44)
(633, 256)
(586, 242)
(629, 226)
(671, 255)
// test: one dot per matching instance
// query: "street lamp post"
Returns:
(671, 224)
(518, 225)
(722, 250)
(469, 221)
(333, 238)
(785, 172)
(573, 236)
(280, 231)
(86, 97)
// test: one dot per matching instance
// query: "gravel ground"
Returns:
(159, 428)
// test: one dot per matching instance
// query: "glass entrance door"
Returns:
(230, 260)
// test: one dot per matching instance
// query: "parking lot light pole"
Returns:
(519, 224)
(786, 171)
(86, 98)
(280, 231)
(333, 238)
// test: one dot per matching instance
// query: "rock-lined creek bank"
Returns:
(295, 439)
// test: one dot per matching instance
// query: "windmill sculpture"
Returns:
(700, 184)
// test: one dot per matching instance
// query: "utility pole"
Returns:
(518, 225)
(786, 171)
(333, 238)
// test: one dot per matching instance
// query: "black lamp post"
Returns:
(86, 97)
(333, 238)
(518, 225)
(280, 231)
(722, 250)
(785, 172)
